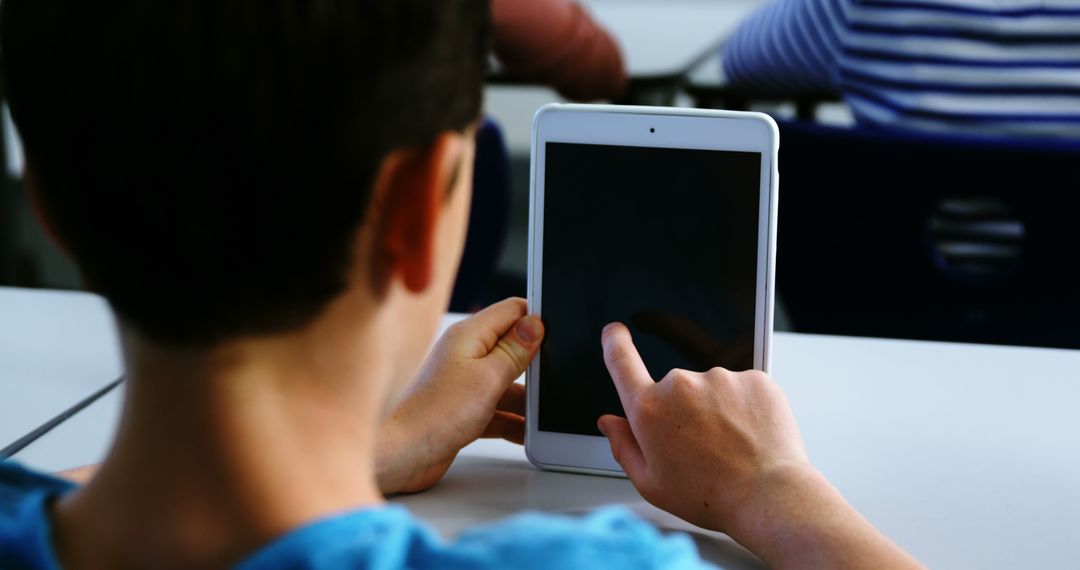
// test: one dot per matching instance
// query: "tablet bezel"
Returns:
(654, 127)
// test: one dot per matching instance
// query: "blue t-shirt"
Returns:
(382, 538)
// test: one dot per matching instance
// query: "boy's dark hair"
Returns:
(207, 162)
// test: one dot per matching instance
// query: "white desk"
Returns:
(56, 348)
(665, 38)
(968, 456)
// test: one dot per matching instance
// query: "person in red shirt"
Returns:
(557, 43)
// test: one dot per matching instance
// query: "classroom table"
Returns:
(56, 348)
(966, 455)
(665, 38)
(707, 87)
(662, 40)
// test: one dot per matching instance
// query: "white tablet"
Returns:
(663, 219)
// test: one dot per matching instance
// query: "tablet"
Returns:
(663, 219)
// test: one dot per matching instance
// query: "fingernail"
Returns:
(529, 329)
(607, 327)
(600, 426)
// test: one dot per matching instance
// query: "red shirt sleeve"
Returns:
(557, 43)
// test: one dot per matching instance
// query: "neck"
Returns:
(237, 445)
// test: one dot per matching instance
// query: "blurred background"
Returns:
(930, 164)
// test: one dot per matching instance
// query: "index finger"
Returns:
(624, 364)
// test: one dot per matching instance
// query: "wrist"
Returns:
(796, 519)
(784, 511)
(390, 474)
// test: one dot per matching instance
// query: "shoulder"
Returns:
(24, 530)
(607, 538)
(390, 537)
(17, 484)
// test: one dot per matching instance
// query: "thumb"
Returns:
(516, 349)
(624, 446)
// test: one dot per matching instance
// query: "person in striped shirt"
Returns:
(980, 67)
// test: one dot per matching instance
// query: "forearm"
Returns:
(398, 454)
(796, 519)
(558, 43)
(787, 46)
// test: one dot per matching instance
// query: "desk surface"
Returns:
(968, 456)
(664, 38)
(56, 348)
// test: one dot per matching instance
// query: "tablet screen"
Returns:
(663, 240)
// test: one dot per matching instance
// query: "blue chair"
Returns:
(488, 220)
(929, 237)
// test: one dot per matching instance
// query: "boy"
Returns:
(272, 196)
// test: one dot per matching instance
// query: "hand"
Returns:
(464, 391)
(80, 475)
(697, 444)
(721, 450)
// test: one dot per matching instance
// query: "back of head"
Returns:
(207, 162)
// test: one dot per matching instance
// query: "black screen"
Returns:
(663, 240)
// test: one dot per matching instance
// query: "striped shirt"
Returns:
(995, 67)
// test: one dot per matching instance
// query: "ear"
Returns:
(409, 198)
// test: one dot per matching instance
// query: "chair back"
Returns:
(488, 219)
(929, 237)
